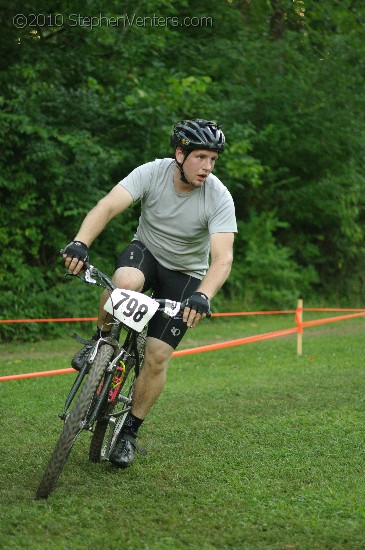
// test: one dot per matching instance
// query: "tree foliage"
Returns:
(83, 105)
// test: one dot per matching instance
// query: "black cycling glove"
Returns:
(198, 301)
(77, 249)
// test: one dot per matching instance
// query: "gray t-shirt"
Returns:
(174, 226)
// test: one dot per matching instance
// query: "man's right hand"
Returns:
(75, 254)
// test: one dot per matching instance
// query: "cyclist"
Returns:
(186, 214)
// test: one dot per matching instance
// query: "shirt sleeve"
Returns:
(139, 180)
(223, 219)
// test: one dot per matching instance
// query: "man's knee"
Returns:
(157, 355)
(129, 278)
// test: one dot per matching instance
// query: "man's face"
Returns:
(198, 165)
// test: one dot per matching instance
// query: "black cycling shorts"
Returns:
(165, 283)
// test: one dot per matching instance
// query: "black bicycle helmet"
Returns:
(198, 134)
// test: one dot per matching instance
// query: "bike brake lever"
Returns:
(72, 275)
(85, 279)
(88, 278)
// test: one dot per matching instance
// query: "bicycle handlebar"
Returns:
(91, 271)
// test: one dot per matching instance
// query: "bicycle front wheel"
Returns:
(74, 423)
(111, 419)
(114, 412)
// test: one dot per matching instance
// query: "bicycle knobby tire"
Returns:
(74, 423)
(105, 435)
(97, 451)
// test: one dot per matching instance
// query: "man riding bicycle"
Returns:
(186, 213)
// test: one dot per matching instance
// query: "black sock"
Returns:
(132, 424)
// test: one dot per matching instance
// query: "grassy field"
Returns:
(249, 447)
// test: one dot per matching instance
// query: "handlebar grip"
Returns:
(86, 262)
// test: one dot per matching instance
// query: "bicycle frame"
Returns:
(122, 354)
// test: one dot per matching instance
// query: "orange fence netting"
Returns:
(298, 329)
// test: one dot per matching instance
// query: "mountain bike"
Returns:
(101, 395)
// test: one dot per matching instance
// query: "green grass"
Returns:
(249, 447)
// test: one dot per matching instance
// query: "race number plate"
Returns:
(131, 308)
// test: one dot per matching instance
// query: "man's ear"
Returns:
(179, 155)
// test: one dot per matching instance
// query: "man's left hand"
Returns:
(195, 308)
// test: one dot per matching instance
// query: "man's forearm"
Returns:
(93, 224)
(215, 277)
(107, 208)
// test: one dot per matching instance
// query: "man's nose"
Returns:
(207, 165)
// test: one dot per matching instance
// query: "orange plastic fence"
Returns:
(229, 314)
(35, 374)
(200, 349)
(332, 319)
(238, 342)
(219, 345)
(74, 319)
(55, 320)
